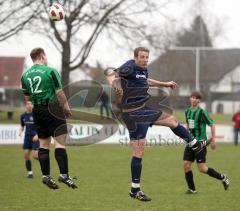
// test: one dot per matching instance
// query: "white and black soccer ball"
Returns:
(56, 12)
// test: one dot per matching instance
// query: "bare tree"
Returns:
(84, 22)
(16, 15)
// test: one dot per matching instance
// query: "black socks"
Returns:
(189, 180)
(212, 173)
(43, 157)
(62, 160)
(136, 169)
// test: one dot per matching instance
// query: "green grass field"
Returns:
(103, 173)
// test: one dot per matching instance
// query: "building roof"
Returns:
(180, 65)
(11, 69)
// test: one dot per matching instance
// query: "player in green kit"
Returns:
(42, 85)
(197, 118)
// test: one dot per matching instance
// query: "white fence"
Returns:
(156, 135)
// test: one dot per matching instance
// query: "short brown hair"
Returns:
(36, 53)
(136, 50)
(197, 94)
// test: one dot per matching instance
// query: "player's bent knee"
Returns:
(138, 152)
(60, 141)
(35, 155)
(26, 154)
(186, 166)
(171, 122)
(138, 147)
(26, 157)
(45, 143)
(202, 168)
(174, 122)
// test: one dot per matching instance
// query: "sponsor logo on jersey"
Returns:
(140, 76)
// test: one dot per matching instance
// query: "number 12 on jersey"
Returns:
(32, 83)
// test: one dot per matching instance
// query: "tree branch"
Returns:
(99, 27)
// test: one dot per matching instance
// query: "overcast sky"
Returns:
(225, 12)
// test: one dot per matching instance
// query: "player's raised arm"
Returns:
(113, 79)
(155, 83)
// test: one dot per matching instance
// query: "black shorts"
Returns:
(47, 123)
(138, 122)
(190, 156)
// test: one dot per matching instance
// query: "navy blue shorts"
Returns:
(30, 144)
(138, 122)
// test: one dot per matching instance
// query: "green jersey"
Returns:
(40, 83)
(197, 119)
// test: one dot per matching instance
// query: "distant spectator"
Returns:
(236, 119)
(104, 100)
(9, 115)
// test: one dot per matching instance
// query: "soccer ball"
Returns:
(56, 12)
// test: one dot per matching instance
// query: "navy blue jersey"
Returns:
(27, 121)
(134, 85)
